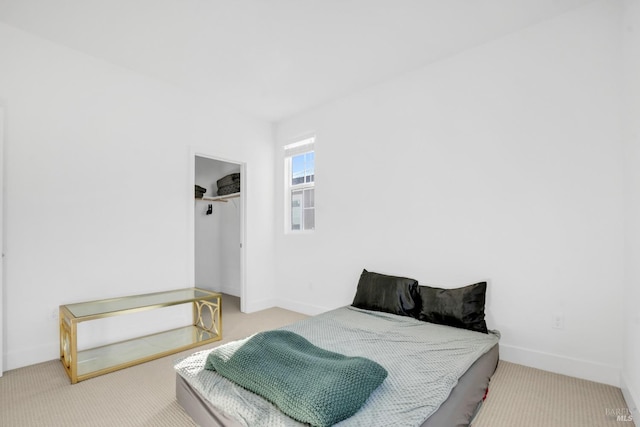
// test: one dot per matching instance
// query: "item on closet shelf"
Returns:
(229, 179)
(229, 189)
(200, 191)
(229, 184)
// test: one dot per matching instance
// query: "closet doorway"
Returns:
(219, 225)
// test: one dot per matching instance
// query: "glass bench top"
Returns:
(158, 299)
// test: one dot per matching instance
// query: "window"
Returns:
(300, 185)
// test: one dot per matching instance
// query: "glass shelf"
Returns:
(95, 360)
(133, 303)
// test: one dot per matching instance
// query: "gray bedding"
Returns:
(425, 363)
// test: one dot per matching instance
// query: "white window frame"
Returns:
(299, 146)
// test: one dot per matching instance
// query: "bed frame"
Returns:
(458, 410)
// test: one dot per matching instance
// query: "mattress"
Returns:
(422, 359)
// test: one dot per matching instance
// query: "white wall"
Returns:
(217, 236)
(501, 163)
(97, 188)
(630, 298)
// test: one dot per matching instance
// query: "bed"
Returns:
(432, 343)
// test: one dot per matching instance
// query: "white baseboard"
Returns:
(230, 290)
(308, 309)
(32, 356)
(579, 368)
(258, 305)
(632, 403)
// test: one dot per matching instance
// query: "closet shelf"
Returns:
(220, 198)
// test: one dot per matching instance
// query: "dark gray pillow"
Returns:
(391, 294)
(460, 307)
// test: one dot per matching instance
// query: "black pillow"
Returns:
(391, 294)
(460, 308)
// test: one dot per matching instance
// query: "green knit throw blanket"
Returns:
(308, 383)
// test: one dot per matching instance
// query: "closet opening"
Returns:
(218, 219)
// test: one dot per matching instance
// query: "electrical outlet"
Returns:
(55, 313)
(557, 321)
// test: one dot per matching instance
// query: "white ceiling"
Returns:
(275, 58)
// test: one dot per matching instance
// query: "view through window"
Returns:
(300, 164)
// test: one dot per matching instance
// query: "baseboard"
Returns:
(258, 305)
(632, 403)
(32, 356)
(230, 290)
(579, 368)
(308, 309)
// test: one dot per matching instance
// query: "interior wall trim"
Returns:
(559, 364)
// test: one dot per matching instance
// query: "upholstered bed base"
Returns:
(458, 410)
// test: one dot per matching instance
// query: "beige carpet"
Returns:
(144, 395)
(523, 396)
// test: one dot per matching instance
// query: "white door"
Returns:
(1, 235)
